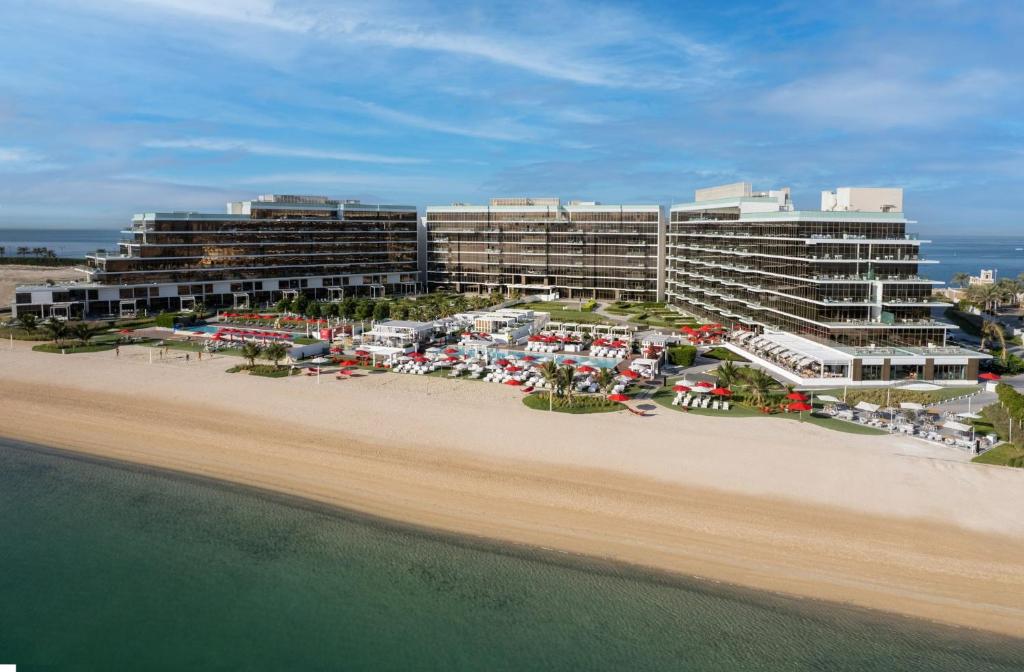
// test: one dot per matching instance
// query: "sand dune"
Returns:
(881, 522)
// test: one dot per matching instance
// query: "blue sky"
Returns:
(111, 107)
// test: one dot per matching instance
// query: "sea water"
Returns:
(109, 567)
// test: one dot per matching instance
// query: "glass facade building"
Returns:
(849, 277)
(581, 250)
(258, 251)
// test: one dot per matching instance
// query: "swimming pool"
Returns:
(213, 329)
(502, 353)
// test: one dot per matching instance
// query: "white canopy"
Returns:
(969, 416)
(828, 397)
(911, 406)
(956, 426)
(865, 406)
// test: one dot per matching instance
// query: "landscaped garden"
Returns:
(1009, 409)
(580, 403)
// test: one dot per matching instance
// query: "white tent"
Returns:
(956, 426)
(865, 406)
(829, 398)
(911, 406)
(969, 416)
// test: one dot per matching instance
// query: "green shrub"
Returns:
(589, 306)
(169, 320)
(682, 355)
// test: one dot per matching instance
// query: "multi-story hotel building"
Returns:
(580, 250)
(846, 277)
(258, 251)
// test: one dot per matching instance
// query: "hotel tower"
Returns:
(257, 251)
(580, 250)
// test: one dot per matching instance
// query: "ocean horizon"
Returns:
(955, 253)
(107, 565)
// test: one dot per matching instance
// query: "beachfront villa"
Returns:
(580, 250)
(815, 296)
(257, 252)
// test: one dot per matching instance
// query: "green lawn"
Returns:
(1005, 454)
(73, 348)
(725, 355)
(583, 404)
(877, 395)
(665, 395)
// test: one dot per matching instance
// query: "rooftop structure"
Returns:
(577, 250)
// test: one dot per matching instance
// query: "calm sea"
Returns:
(956, 253)
(108, 567)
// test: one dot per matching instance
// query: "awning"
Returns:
(911, 406)
(829, 398)
(956, 426)
(866, 406)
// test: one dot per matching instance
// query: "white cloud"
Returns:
(269, 149)
(886, 96)
(593, 48)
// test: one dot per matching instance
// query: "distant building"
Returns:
(581, 250)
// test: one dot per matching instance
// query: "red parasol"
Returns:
(630, 373)
(450, 351)
(704, 383)
(721, 392)
(800, 406)
(989, 376)
(797, 396)
(513, 381)
(568, 362)
(618, 397)
(586, 369)
(681, 388)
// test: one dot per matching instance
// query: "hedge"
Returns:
(682, 355)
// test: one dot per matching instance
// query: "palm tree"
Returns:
(22, 251)
(994, 331)
(549, 372)
(28, 322)
(566, 376)
(961, 279)
(605, 379)
(727, 373)
(83, 332)
(275, 352)
(986, 297)
(759, 386)
(57, 330)
(251, 351)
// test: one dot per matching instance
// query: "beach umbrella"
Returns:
(631, 374)
(350, 362)
(450, 351)
(800, 407)
(124, 331)
(568, 362)
(989, 376)
(618, 397)
(721, 392)
(512, 369)
(513, 381)
(529, 358)
(681, 388)
(704, 383)
(216, 337)
(362, 353)
(451, 358)
(586, 369)
(502, 362)
(797, 396)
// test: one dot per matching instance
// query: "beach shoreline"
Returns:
(409, 449)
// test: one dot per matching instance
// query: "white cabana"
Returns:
(829, 398)
(911, 406)
(956, 426)
(867, 406)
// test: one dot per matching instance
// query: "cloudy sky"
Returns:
(110, 107)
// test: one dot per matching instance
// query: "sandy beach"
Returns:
(21, 274)
(879, 522)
